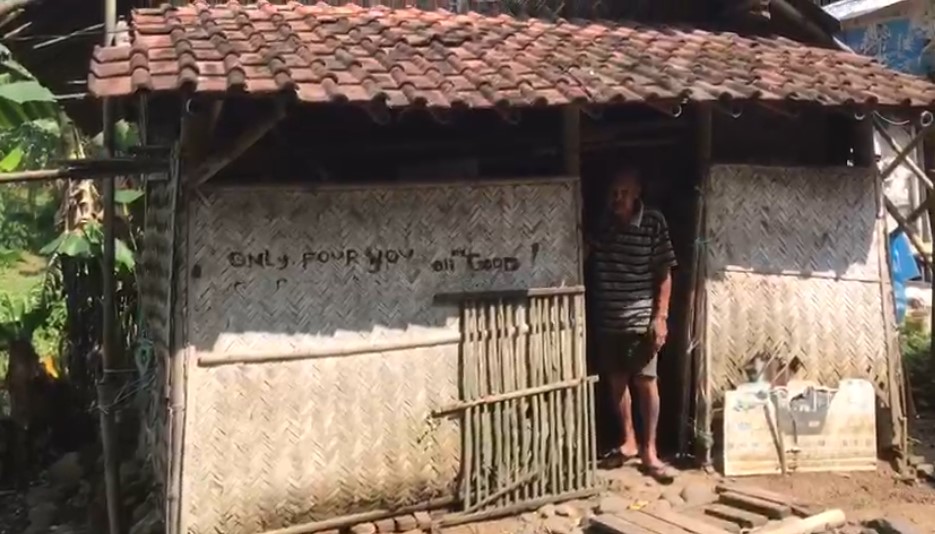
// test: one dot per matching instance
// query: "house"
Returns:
(898, 34)
(362, 273)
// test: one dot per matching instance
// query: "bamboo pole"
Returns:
(106, 387)
(703, 155)
(700, 364)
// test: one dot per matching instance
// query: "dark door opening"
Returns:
(664, 152)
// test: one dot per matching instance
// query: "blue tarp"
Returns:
(903, 269)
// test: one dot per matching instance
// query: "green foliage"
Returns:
(30, 133)
(915, 344)
(27, 216)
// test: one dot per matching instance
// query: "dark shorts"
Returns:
(626, 353)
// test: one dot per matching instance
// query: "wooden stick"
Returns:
(459, 518)
(499, 494)
(364, 517)
(214, 358)
(467, 434)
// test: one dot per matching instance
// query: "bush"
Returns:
(915, 344)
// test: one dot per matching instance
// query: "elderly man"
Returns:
(632, 260)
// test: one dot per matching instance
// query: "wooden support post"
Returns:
(222, 158)
(695, 362)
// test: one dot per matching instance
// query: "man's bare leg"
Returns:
(648, 391)
(619, 384)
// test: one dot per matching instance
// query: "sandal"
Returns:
(614, 459)
(661, 473)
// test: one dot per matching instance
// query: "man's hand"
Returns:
(660, 332)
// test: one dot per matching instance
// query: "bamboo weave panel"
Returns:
(268, 445)
(793, 220)
(155, 284)
(805, 223)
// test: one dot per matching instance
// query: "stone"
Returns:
(385, 525)
(567, 510)
(529, 517)
(559, 525)
(67, 471)
(618, 486)
(925, 470)
(364, 528)
(673, 496)
(894, 525)
(405, 523)
(547, 511)
(612, 504)
(698, 493)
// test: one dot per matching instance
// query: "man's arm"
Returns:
(663, 263)
(663, 295)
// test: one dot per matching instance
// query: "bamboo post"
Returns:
(699, 361)
(703, 155)
(106, 387)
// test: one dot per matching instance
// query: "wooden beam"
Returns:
(222, 158)
(913, 166)
(909, 231)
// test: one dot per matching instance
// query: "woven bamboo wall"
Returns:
(795, 267)
(155, 284)
(322, 427)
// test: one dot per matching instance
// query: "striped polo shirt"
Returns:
(627, 259)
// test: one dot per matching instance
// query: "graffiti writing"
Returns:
(259, 259)
(475, 262)
(374, 259)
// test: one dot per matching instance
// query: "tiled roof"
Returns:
(405, 57)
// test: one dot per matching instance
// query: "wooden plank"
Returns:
(650, 523)
(697, 512)
(690, 524)
(735, 515)
(615, 525)
(798, 508)
(770, 509)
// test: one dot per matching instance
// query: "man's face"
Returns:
(624, 193)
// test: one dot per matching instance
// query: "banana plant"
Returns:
(29, 117)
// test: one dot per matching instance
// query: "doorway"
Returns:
(664, 151)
